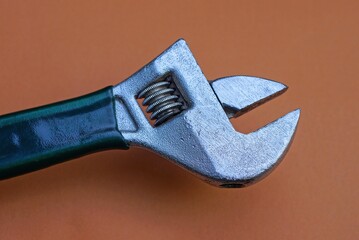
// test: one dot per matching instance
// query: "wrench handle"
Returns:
(38, 138)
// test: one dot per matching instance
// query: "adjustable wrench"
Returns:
(188, 123)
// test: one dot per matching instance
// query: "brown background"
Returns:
(53, 50)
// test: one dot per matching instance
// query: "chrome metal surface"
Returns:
(201, 138)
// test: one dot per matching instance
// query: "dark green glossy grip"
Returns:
(44, 136)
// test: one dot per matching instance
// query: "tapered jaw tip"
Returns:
(240, 94)
(274, 141)
(256, 154)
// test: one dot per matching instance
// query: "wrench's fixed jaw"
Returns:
(240, 94)
(258, 154)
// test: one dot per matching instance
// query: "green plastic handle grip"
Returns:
(37, 138)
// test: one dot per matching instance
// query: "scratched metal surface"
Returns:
(201, 138)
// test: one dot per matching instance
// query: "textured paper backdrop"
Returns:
(53, 50)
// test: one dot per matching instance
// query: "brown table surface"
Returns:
(54, 50)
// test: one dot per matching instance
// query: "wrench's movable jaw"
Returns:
(197, 134)
(240, 94)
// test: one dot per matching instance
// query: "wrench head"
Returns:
(201, 138)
